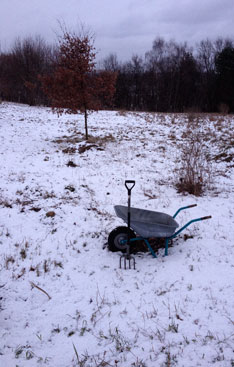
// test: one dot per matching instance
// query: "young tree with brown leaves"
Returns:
(75, 86)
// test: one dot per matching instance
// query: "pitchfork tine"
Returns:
(126, 257)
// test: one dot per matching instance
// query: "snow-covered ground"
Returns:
(63, 299)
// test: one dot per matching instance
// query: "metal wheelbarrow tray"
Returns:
(146, 224)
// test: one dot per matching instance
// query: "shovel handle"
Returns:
(129, 184)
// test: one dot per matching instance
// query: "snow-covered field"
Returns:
(63, 299)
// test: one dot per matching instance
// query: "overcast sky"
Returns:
(124, 27)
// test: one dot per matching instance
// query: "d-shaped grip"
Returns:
(129, 184)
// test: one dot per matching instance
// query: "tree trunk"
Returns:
(86, 125)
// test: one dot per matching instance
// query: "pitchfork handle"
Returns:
(129, 184)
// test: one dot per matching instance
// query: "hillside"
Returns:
(64, 301)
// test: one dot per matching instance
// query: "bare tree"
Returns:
(111, 63)
(20, 67)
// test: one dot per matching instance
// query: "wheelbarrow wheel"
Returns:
(117, 240)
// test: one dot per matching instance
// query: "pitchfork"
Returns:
(129, 184)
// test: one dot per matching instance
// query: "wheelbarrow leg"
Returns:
(166, 246)
(149, 247)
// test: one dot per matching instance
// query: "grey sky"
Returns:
(123, 27)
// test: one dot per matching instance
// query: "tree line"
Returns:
(172, 77)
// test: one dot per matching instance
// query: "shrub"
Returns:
(194, 171)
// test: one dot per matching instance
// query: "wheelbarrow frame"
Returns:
(167, 239)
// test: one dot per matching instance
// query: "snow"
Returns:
(170, 311)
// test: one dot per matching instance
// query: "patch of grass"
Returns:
(23, 253)
(71, 164)
(48, 195)
(86, 147)
(224, 157)
(35, 209)
(9, 260)
(69, 150)
(27, 349)
(5, 203)
(72, 139)
(100, 140)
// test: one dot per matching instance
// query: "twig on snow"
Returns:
(40, 289)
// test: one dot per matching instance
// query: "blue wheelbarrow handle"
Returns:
(187, 224)
(181, 229)
(184, 207)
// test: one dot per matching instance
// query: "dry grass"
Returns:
(195, 168)
(75, 143)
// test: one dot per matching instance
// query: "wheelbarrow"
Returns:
(144, 225)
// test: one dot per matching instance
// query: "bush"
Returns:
(194, 171)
